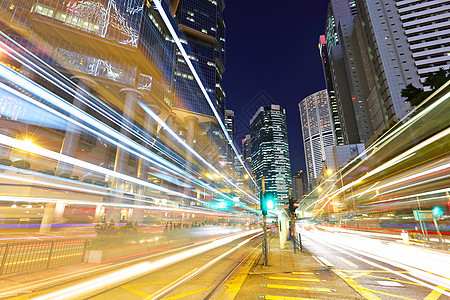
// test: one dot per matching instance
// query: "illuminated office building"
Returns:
(270, 150)
(318, 132)
(323, 50)
(203, 26)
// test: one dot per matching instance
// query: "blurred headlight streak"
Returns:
(199, 82)
(116, 277)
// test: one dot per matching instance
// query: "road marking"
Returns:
(294, 279)
(387, 294)
(389, 283)
(187, 294)
(294, 287)
(356, 286)
(397, 280)
(302, 273)
(237, 281)
(370, 271)
(324, 261)
(379, 258)
(131, 289)
(359, 274)
(269, 297)
(347, 262)
(434, 295)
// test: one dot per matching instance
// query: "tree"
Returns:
(435, 80)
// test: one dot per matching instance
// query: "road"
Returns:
(208, 262)
(380, 269)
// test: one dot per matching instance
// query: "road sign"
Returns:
(423, 215)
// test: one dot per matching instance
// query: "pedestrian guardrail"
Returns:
(24, 256)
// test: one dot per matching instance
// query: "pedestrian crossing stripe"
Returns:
(270, 297)
(294, 287)
(294, 279)
(302, 273)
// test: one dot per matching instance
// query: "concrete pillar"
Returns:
(170, 120)
(129, 109)
(99, 214)
(149, 127)
(72, 137)
(283, 228)
(53, 213)
(191, 122)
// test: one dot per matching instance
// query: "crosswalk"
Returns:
(289, 286)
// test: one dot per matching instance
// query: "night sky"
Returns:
(272, 47)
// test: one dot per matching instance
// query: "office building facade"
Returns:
(203, 27)
(386, 61)
(426, 26)
(270, 150)
(318, 132)
(299, 185)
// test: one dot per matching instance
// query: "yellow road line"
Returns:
(388, 294)
(359, 274)
(187, 294)
(269, 297)
(301, 288)
(356, 286)
(294, 279)
(235, 284)
(303, 273)
(396, 280)
(149, 283)
(347, 262)
(131, 289)
(370, 271)
(434, 295)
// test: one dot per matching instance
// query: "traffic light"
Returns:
(291, 205)
(267, 201)
(437, 212)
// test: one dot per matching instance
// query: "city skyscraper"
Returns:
(384, 60)
(229, 123)
(426, 28)
(317, 129)
(299, 184)
(247, 151)
(323, 50)
(341, 13)
(203, 26)
(270, 150)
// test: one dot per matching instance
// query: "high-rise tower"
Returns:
(203, 26)
(270, 150)
(317, 129)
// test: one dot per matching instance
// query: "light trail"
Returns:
(387, 165)
(199, 82)
(197, 271)
(180, 140)
(25, 83)
(426, 264)
(137, 270)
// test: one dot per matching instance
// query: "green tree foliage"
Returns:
(416, 96)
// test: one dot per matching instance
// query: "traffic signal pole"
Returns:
(265, 253)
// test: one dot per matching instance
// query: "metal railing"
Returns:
(24, 256)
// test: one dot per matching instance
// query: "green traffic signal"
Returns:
(437, 212)
(267, 201)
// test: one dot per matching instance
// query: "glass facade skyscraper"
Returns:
(270, 150)
(317, 129)
(203, 26)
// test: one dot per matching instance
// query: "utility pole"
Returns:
(264, 243)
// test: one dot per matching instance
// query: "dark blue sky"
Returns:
(272, 47)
